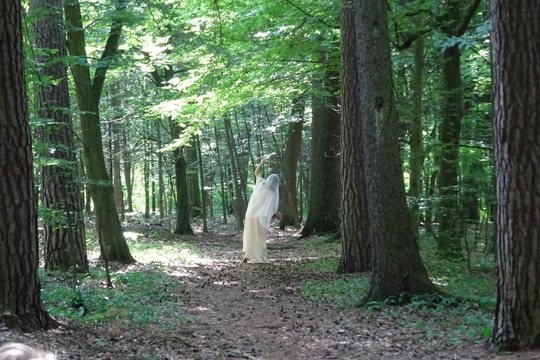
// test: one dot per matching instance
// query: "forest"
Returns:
(406, 139)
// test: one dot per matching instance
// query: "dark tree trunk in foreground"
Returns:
(324, 198)
(516, 89)
(88, 93)
(397, 266)
(355, 246)
(20, 290)
(63, 231)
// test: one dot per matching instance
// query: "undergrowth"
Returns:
(149, 294)
(466, 314)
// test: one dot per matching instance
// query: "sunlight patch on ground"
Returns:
(165, 254)
(225, 283)
(131, 235)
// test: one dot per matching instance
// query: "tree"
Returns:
(324, 192)
(88, 93)
(355, 245)
(397, 266)
(20, 299)
(63, 230)
(416, 156)
(516, 89)
(288, 200)
(454, 24)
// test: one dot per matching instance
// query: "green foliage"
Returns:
(138, 297)
(466, 313)
(147, 296)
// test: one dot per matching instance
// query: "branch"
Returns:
(311, 16)
(111, 48)
(467, 18)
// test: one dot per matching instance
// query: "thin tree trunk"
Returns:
(416, 158)
(88, 93)
(221, 177)
(240, 201)
(201, 173)
(126, 159)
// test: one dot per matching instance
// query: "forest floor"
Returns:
(235, 310)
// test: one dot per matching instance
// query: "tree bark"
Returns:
(516, 89)
(183, 225)
(88, 93)
(455, 21)
(63, 232)
(20, 289)
(287, 198)
(356, 253)
(397, 266)
(239, 200)
(324, 199)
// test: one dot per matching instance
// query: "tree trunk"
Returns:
(161, 183)
(201, 173)
(194, 189)
(416, 158)
(356, 253)
(116, 153)
(516, 89)
(88, 93)
(20, 289)
(287, 198)
(455, 22)
(221, 177)
(448, 238)
(397, 266)
(324, 199)
(240, 201)
(126, 159)
(63, 232)
(183, 225)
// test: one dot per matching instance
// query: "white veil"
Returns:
(265, 199)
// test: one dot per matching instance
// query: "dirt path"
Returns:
(234, 310)
(256, 311)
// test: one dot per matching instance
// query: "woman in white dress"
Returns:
(263, 204)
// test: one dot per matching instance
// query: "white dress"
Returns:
(262, 206)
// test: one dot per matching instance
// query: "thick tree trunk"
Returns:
(397, 266)
(63, 232)
(356, 253)
(20, 290)
(516, 89)
(324, 199)
(287, 198)
(88, 93)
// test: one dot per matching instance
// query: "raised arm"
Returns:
(259, 167)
